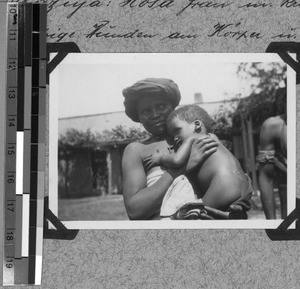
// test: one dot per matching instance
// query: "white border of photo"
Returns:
(127, 58)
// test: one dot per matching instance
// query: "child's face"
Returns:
(179, 130)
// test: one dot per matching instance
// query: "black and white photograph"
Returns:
(172, 140)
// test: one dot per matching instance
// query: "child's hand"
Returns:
(153, 160)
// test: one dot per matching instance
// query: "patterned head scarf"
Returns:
(149, 86)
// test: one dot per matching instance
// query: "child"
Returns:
(220, 181)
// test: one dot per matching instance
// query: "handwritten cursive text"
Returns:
(105, 30)
(231, 30)
(179, 35)
(77, 5)
(290, 4)
(60, 35)
(147, 3)
(203, 4)
(289, 35)
(256, 5)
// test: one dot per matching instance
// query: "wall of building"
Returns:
(114, 161)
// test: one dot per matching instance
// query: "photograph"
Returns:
(172, 141)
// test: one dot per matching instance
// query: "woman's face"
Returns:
(153, 112)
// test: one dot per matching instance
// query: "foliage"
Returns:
(92, 140)
(267, 89)
(223, 120)
(259, 107)
(121, 133)
(76, 138)
(266, 78)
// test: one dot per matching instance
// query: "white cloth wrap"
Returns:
(179, 193)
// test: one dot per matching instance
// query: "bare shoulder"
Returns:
(133, 149)
(272, 123)
(132, 159)
(271, 130)
(134, 146)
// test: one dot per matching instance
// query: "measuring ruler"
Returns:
(25, 143)
(11, 144)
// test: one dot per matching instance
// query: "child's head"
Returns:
(187, 120)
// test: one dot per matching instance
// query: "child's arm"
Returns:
(152, 160)
(175, 160)
(181, 156)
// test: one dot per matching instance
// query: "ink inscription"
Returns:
(173, 11)
(105, 30)
(233, 31)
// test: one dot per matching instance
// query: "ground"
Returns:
(112, 208)
(92, 208)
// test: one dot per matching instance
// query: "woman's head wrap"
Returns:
(149, 86)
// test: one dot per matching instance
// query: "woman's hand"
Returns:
(202, 148)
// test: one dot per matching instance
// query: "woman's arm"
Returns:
(142, 202)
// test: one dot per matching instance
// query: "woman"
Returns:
(149, 102)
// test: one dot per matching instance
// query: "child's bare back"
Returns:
(220, 181)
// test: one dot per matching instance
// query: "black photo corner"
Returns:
(283, 49)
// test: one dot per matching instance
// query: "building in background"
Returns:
(90, 161)
(95, 170)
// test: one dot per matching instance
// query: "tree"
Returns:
(78, 139)
(268, 89)
(87, 139)
(223, 120)
(266, 81)
(266, 78)
(121, 133)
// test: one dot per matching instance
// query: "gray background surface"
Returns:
(167, 258)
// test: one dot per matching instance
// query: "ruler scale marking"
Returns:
(11, 104)
(27, 129)
(20, 150)
(41, 141)
(33, 274)
(25, 143)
